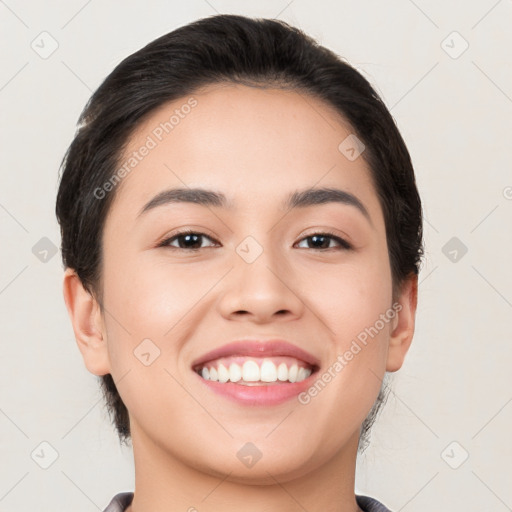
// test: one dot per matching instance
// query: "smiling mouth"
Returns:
(255, 371)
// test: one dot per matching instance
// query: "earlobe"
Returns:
(403, 325)
(87, 322)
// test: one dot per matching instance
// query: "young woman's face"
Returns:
(254, 269)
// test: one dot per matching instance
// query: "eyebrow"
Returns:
(297, 199)
(315, 196)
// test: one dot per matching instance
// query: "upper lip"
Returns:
(258, 348)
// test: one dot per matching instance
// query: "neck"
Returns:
(165, 483)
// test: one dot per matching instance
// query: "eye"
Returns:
(187, 239)
(319, 239)
(191, 240)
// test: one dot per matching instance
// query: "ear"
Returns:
(403, 324)
(86, 318)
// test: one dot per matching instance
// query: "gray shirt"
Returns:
(121, 501)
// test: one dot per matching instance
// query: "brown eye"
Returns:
(187, 240)
(322, 241)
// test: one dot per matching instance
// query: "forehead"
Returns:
(255, 145)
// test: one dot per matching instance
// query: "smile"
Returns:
(255, 371)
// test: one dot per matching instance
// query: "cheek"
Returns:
(148, 306)
(354, 302)
(150, 296)
(153, 308)
(349, 296)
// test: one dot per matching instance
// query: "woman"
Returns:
(241, 235)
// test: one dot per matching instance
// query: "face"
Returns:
(315, 276)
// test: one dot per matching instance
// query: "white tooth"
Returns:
(302, 374)
(251, 371)
(223, 373)
(282, 372)
(235, 372)
(292, 374)
(268, 372)
(307, 372)
(213, 374)
(205, 373)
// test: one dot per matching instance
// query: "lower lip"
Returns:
(271, 394)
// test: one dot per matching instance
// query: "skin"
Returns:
(256, 146)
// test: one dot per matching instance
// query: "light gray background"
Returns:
(455, 113)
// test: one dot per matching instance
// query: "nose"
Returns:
(262, 291)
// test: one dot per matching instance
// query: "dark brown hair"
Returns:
(233, 49)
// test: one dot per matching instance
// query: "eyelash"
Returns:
(344, 245)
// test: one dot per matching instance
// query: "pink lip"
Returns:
(258, 348)
(264, 394)
(259, 395)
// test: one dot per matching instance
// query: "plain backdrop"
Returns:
(444, 68)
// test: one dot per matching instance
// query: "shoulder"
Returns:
(120, 502)
(369, 504)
